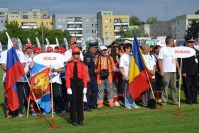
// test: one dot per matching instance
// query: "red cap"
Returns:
(37, 50)
(73, 40)
(76, 50)
(49, 49)
(62, 49)
(28, 45)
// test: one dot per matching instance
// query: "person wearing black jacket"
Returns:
(190, 75)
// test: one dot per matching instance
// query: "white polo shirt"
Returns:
(166, 54)
(124, 63)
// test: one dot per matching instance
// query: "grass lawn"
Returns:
(117, 119)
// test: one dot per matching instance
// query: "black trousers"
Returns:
(92, 86)
(57, 96)
(76, 101)
(190, 84)
(23, 92)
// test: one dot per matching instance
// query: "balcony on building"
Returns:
(74, 20)
(117, 22)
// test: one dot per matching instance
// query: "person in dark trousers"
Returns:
(190, 75)
(76, 84)
(89, 61)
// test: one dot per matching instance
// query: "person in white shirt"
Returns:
(3, 62)
(68, 53)
(167, 63)
(151, 65)
(124, 69)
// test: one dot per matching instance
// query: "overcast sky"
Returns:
(162, 9)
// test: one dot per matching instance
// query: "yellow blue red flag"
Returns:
(138, 80)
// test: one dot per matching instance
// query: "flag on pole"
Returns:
(138, 81)
(1, 47)
(92, 39)
(99, 42)
(66, 43)
(57, 42)
(40, 86)
(83, 45)
(38, 43)
(47, 42)
(19, 44)
(28, 40)
(14, 71)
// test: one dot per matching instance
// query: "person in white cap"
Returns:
(104, 70)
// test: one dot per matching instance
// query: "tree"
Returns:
(135, 21)
(192, 31)
(152, 20)
(197, 12)
(14, 30)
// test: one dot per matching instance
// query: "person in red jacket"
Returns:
(76, 84)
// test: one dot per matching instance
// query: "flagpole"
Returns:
(150, 84)
(28, 107)
(33, 97)
(52, 109)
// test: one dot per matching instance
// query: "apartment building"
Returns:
(78, 25)
(109, 25)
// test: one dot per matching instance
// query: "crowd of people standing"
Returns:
(102, 75)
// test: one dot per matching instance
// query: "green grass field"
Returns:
(117, 119)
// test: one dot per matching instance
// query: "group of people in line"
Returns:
(102, 75)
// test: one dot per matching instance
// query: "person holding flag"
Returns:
(12, 62)
(124, 70)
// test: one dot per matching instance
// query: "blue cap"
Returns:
(94, 44)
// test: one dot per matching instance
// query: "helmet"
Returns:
(76, 50)
(49, 49)
(73, 40)
(28, 45)
(62, 49)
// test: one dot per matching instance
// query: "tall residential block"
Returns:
(78, 25)
(109, 25)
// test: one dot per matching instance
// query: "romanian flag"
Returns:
(14, 71)
(40, 86)
(139, 75)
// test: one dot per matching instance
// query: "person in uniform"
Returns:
(76, 84)
(190, 75)
(89, 61)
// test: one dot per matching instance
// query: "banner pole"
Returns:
(179, 84)
(52, 103)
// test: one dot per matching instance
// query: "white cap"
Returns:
(103, 48)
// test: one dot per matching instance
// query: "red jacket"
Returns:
(82, 74)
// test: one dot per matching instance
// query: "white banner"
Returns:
(57, 42)
(28, 40)
(183, 52)
(83, 45)
(66, 43)
(38, 43)
(19, 44)
(47, 42)
(49, 59)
